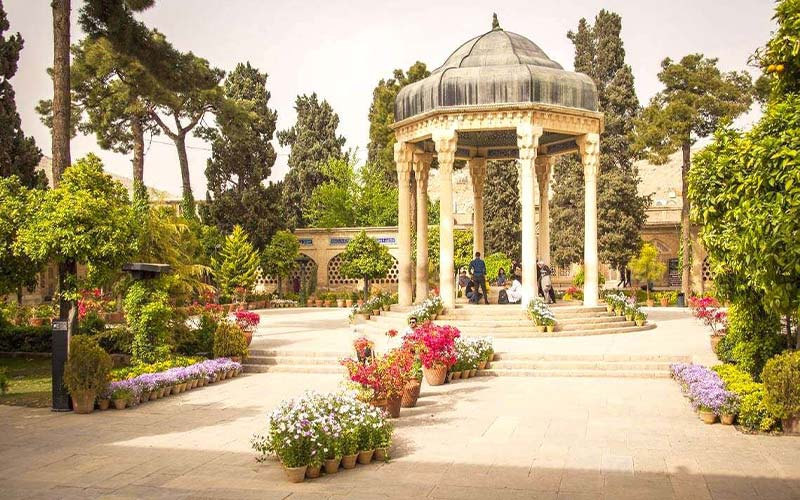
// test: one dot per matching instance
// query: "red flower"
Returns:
(391, 333)
(434, 344)
(247, 320)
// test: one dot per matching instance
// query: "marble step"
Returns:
(580, 365)
(291, 360)
(577, 373)
(294, 369)
(519, 331)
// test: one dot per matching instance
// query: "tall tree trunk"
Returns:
(686, 228)
(19, 295)
(188, 197)
(280, 287)
(61, 90)
(137, 130)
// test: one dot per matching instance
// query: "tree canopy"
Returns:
(17, 271)
(502, 209)
(279, 258)
(236, 265)
(365, 258)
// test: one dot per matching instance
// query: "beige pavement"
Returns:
(482, 438)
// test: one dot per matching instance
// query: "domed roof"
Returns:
(498, 67)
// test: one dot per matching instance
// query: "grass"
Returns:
(29, 382)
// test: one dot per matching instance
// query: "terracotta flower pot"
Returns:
(379, 403)
(36, 321)
(332, 465)
(456, 376)
(639, 322)
(295, 474)
(339, 302)
(313, 471)
(145, 397)
(791, 425)
(360, 302)
(650, 303)
(167, 390)
(83, 401)
(707, 416)
(326, 303)
(318, 303)
(482, 364)
(248, 334)
(348, 303)
(161, 392)
(551, 328)
(664, 302)
(393, 406)
(473, 372)
(120, 404)
(609, 308)
(540, 328)
(365, 457)
(349, 461)
(104, 404)
(628, 317)
(381, 454)
(727, 419)
(410, 394)
(435, 375)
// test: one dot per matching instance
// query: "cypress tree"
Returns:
(502, 209)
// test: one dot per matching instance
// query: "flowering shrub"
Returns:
(247, 320)
(313, 427)
(616, 300)
(385, 376)
(468, 354)
(429, 309)
(434, 344)
(540, 313)
(707, 310)
(703, 387)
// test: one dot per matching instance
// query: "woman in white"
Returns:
(514, 291)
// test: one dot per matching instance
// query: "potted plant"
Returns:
(351, 299)
(780, 376)
(435, 347)
(340, 301)
(248, 322)
(729, 410)
(86, 372)
(640, 317)
(383, 440)
(395, 371)
(663, 298)
(229, 341)
(350, 447)
(42, 315)
(121, 394)
(540, 314)
(647, 268)
(412, 387)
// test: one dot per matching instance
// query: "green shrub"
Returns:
(3, 382)
(88, 366)
(148, 314)
(753, 413)
(753, 336)
(493, 264)
(229, 340)
(26, 339)
(782, 385)
(116, 340)
(91, 324)
(142, 368)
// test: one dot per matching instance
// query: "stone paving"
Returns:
(482, 438)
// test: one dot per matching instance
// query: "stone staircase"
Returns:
(505, 364)
(510, 321)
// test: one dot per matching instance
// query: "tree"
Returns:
(366, 259)
(19, 155)
(237, 263)
(17, 271)
(88, 219)
(313, 141)
(647, 267)
(462, 249)
(380, 150)
(696, 98)
(352, 197)
(280, 257)
(599, 52)
(241, 160)
(503, 219)
(61, 101)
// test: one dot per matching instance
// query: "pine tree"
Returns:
(237, 263)
(313, 141)
(19, 155)
(241, 160)
(380, 150)
(503, 213)
(621, 212)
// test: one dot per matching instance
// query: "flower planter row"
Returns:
(706, 390)
(333, 465)
(153, 386)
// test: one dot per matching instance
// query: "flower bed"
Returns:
(705, 389)
(472, 354)
(754, 415)
(148, 386)
(428, 309)
(324, 429)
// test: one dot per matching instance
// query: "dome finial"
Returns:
(495, 22)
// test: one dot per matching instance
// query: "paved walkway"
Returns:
(482, 438)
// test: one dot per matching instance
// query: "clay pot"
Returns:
(313, 471)
(473, 372)
(707, 416)
(248, 334)
(104, 404)
(609, 308)
(791, 425)
(318, 303)
(326, 303)
(376, 312)
(449, 376)
(381, 454)
(540, 328)
(639, 322)
(349, 461)
(727, 419)
(551, 328)
(360, 302)
(120, 404)
(456, 375)
(466, 374)
(167, 390)
(161, 392)
(664, 302)
(410, 394)
(339, 302)
(348, 303)
(482, 364)
(393, 406)
(650, 303)
(629, 317)
(36, 322)
(295, 474)
(365, 457)
(309, 303)
(145, 397)
(83, 401)
(332, 465)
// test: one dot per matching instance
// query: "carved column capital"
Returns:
(589, 147)
(544, 165)
(446, 142)
(477, 172)
(403, 156)
(422, 166)
(528, 135)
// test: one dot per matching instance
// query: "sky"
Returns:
(341, 49)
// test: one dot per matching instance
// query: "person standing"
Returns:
(478, 270)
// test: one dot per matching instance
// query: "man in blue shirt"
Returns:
(478, 270)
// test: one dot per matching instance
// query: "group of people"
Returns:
(474, 283)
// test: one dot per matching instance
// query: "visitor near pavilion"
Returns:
(478, 270)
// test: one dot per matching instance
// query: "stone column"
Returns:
(528, 141)
(403, 157)
(544, 166)
(477, 171)
(422, 163)
(589, 146)
(446, 141)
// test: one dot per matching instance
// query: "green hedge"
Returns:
(753, 413)
(26, 339)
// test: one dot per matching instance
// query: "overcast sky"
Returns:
(340, 49)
